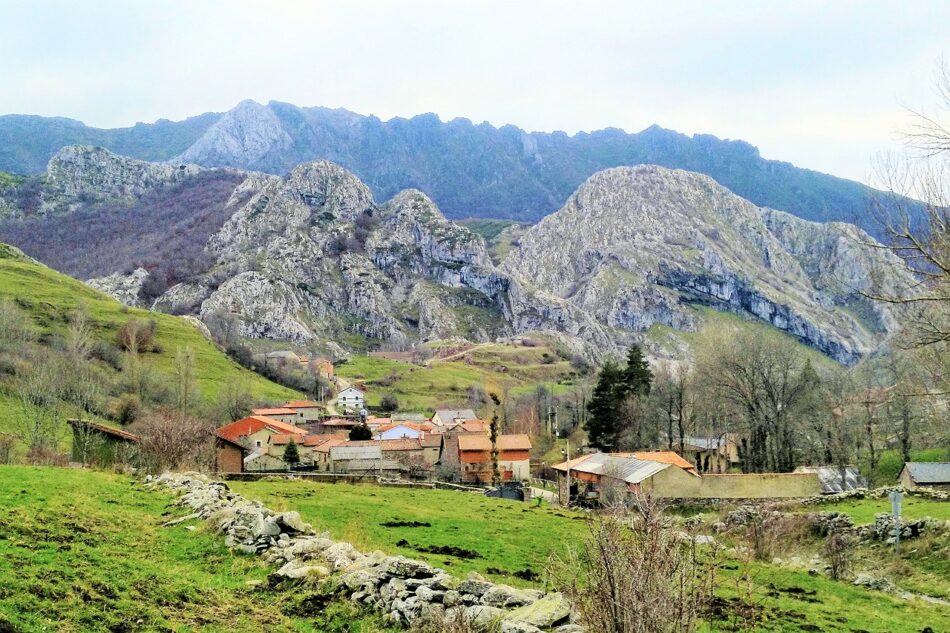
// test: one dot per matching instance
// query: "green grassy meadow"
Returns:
(85, 551)
(512, 537)
(493, 367)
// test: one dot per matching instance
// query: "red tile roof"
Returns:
(330, 443)
(664, 457)
(302, 404)
(255, 423)
(402, 445)
(478, 442)
(430, 440)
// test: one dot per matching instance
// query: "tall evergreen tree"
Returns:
(291, 453)
(608, 407)
(637, 376)
(604, 407)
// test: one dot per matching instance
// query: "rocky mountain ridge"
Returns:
(313, 258)
(470, 170)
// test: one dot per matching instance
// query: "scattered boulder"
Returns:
(550, 610)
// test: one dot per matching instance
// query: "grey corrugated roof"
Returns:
(929, 472)
(830, 478)
(355, 452)
(629, 469)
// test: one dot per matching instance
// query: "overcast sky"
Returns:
(816, 83)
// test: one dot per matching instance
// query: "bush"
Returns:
(389, 403)
(137, 335)
(636, 574)
(125, 409)
(171, 440)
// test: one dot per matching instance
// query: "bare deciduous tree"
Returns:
(635, 573)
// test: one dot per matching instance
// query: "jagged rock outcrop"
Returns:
(634, 245)
(124, 288)
(93, 172)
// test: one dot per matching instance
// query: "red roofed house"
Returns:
(254, 431)
(514, 455)
(403, 430)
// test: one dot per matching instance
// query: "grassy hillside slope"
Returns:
(492, 367)
(50, 298)
(83, 551)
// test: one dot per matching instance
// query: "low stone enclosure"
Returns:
(405, 590)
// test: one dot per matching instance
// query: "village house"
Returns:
(261, 460)
(351, 399)
(321, 453)
(409, 454)
(402, 430)
(322, 367)
(712, 454)
(229, 455)
(664, 474)
(307, 411)
(449, 417)
(431, 448)
(474, 457)
(95, 443)
(277, 445)
(362, 457)
(254, 431)
(290, 416)
(334, 426)
(926, 475)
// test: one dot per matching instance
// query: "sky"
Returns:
(820, 84)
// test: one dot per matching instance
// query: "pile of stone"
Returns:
(884, 527)
(405, 590)
(825, 523)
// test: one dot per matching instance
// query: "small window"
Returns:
(258, 443)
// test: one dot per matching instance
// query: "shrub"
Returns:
(636, 574)
(389, 403)
(839, 550)
(137, 335)
(125, 409)
(171, 440)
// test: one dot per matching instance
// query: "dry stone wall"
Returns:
(405, 590)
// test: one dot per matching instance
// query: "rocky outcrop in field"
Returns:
(405, 590)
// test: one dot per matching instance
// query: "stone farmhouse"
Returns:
(712, 454)
(926, 475)
(667, 475)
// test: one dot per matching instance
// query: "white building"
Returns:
(351, 398)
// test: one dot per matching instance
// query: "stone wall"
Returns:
(405, 590)
(676, 483)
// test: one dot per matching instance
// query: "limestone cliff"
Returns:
(313, 257)
(635, 245)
